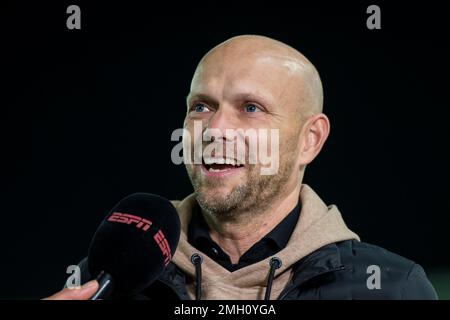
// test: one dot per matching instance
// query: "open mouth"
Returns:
(217, 165)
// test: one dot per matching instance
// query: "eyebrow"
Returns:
(243, 96)
(249, 96)
(200, 96)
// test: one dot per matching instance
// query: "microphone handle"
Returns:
(105, 286)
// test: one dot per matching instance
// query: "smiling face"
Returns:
(247, 83)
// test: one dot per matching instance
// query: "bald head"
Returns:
(240, 51)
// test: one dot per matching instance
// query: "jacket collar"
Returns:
(319, 263)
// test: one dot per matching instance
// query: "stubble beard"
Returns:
(250, 198)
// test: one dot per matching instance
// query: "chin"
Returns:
(215, 194)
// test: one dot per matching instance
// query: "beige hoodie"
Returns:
(317, 226)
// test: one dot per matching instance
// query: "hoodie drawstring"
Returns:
(274, 263)
(197, 260)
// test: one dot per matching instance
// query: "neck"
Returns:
(236, 237)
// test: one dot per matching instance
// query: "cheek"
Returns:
(195, 128)
(289, 148)
(192, 132)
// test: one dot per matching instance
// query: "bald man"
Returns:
(250, 234)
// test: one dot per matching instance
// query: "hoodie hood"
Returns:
(317, 226)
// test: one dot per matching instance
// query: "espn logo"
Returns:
(129, 219)
(164, 246)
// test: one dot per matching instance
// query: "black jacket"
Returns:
(335, 271)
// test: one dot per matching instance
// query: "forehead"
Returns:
(262, 74)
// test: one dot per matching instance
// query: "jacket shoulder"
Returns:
(375, 272)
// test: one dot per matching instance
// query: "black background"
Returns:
(87, 117)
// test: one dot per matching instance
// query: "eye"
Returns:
(200, 107)
(251, 108)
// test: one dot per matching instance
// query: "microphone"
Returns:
(133, 244)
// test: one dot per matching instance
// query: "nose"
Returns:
(221, 121)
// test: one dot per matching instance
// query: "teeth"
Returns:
(230, 161)
(215, 170)
(220, 161)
